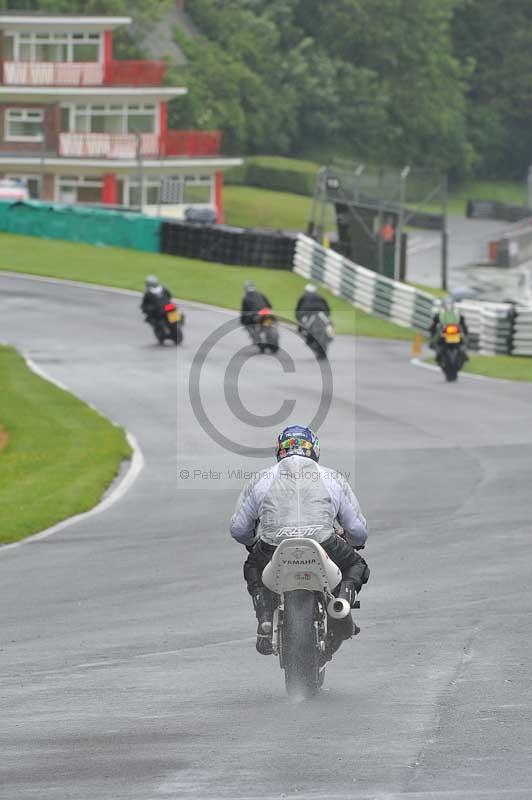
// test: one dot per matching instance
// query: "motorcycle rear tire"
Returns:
(177, 335)
(450, 364)
(299, 646)
(450, 371)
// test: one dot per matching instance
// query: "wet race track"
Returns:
(127, 640)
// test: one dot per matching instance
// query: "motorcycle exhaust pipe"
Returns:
(338, 608)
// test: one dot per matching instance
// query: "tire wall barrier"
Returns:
(238, 246)
(494, 328)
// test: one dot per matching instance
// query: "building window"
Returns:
(53, 47)
(150, 192)
(79, 189)
(85, 47)
(8, 54)
(24, 125)
(170, 190)
(141, 118)
(198, 189)
(32, 182)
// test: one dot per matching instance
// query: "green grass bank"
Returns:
(510, 368)
(60, 455)
(189, 279)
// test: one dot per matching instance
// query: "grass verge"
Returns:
(60, 455)
(510, 368)
(249, 207)
(189, 279)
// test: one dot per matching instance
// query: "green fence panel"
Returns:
(82, 224)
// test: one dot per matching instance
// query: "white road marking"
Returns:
(417, 362)
(419, 244)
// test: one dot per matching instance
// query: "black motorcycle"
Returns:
(318, 332)
(168, 324)
(265, 331)
(451, 352)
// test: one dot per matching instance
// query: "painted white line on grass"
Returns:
(113, 496)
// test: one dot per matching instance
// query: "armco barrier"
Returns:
(81, 224)
(522, 334)
(490, 325)
(362, 287)
(493, 327)
(491, 209)
(515, 246)
(226, 245)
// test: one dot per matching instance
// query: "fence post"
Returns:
(444, 235)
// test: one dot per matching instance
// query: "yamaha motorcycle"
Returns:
(265, 332)
(318, 332)
(303, 580)
(451, 352)
(169, 324)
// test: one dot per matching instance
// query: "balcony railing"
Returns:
(191, 143)
(89, 73)
(45, 73)
(108, 145)
(135, 73)
(125, 145)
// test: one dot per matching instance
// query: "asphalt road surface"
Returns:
(127, 641)
(468, 247)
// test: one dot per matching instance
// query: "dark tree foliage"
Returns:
(442, 83)
(495, 37)
(373, 79)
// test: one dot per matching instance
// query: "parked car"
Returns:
(202, 216)
(12, 189)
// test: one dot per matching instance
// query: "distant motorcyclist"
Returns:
(252, 302)
(295, 497)
(155, 298)
(449, 315)
(311, 302)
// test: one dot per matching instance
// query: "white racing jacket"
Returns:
(297, 497)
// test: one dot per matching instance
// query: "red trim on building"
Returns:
(109, 189)
(192, 143)
(107, 56)
(218, 196)
(135, 73)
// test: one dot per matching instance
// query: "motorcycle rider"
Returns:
(449, 315)
(297, 495)
(309, 303)
(252, 302)
(155, 298)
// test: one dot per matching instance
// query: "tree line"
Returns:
(440, 83)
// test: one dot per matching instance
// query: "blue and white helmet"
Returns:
(297, 440)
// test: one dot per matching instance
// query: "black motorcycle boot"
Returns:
(263, 611)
